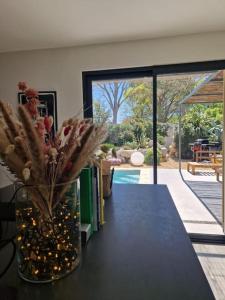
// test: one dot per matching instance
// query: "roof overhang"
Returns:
(209, 91)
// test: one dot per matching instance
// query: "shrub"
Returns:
(149, 157)
(114, 152)
(139, 132)
(120, 134)
(130, 146)
(162, 129)
(160, 139)
(133, 134)
(187, 137)
(148, 129)
(200, 121)
(106, 147)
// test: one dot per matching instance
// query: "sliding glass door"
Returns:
(190, 142)
(125, 105)
(172, 117)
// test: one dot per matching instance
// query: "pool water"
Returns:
(126, 176)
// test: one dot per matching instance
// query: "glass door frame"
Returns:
(153, 72)
(130, 73)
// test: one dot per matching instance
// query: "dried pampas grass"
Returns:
(44, 163)
(34, 145)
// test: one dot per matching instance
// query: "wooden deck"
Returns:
(210, 194)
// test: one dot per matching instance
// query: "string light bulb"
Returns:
(47, 249)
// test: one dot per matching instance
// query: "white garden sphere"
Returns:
(137, 158)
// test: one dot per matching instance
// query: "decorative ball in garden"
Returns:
(137, 158)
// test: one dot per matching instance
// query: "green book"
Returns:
(86, 197)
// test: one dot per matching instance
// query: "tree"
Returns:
(114, 94)
(100, 112)
(139, 98)
(169, 93)
(200, 121)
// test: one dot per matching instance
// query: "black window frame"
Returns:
(139, 72)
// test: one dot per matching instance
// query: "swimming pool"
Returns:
(126, 176)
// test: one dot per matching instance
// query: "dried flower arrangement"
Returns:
(48, 239)
(39, 159)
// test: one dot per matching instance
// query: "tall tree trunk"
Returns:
(115, 113)
(114, 95)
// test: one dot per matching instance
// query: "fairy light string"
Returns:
(48, 249)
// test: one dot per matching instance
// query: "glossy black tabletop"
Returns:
(143, 252)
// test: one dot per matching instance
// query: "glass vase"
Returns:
(48, 236)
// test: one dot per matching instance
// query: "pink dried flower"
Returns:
(22, 86)
(32, 107)
(46, 148)
(68, 166)
(31, 93)
(40, 127)
(67, 130)
(48, 121)
(81, 129)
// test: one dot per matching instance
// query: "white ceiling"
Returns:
(38, 24)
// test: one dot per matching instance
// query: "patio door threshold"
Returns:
(199, 238)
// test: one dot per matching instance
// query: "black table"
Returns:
(143, 252)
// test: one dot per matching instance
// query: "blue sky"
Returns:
(124, 110)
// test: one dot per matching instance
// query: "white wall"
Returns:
(61, 69)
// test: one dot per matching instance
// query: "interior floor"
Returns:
(212, 259)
